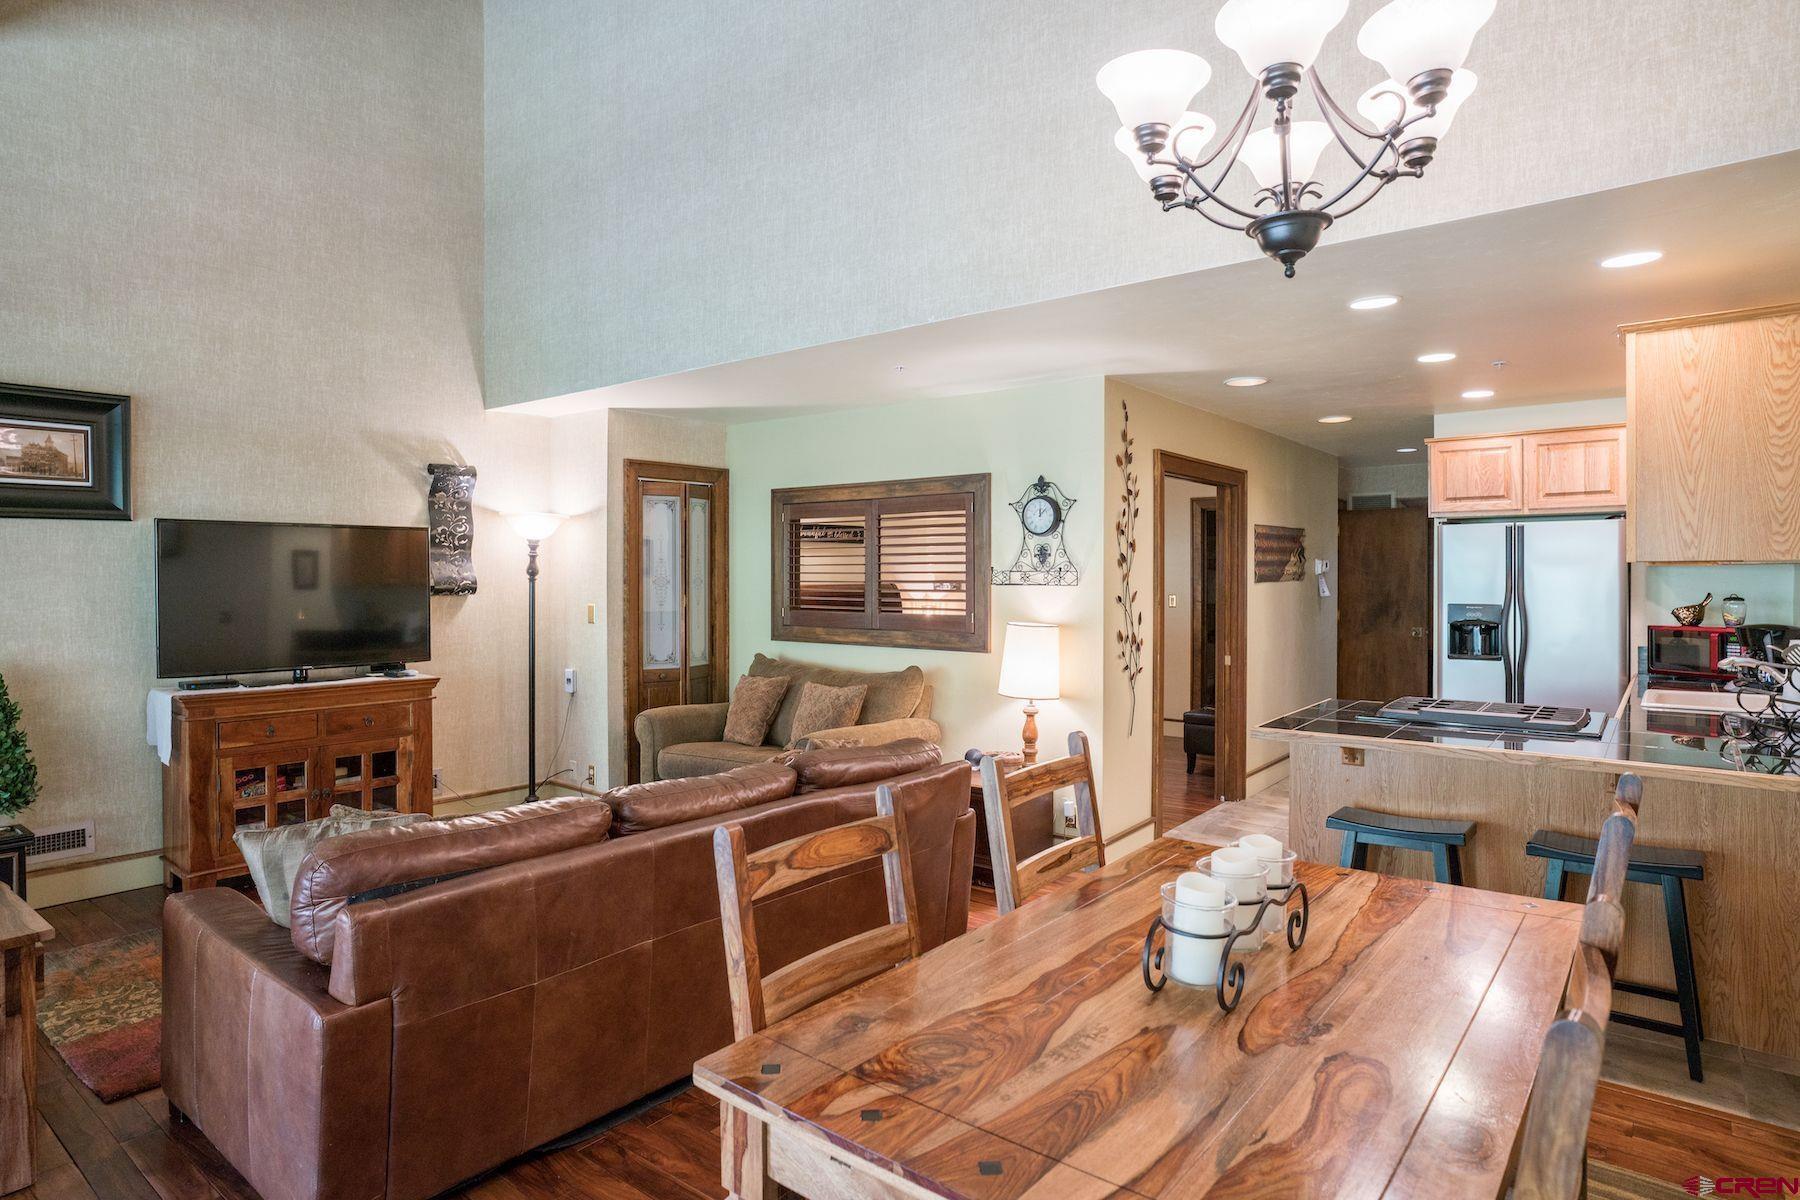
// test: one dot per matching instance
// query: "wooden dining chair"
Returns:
(1553, 1146)
(744, 878)
(1004, 794)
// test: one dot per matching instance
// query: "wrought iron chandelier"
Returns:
(1420, 43)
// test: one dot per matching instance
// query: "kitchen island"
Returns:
(1741, 811)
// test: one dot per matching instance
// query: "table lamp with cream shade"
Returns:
(534, 527)
(1031, 670)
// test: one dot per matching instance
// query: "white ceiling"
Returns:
(1521, 286)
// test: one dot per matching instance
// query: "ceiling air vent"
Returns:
(1372, 500)
(61, 841)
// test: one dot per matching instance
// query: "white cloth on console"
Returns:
(157, 715)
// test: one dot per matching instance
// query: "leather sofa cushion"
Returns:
(667, 802)
(381, 862)
(891, 695)
(686, 759)
(820, 769)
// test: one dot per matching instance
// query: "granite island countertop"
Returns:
(1688, 746)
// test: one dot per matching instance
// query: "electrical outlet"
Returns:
(590, 775)
(569, 680)
(437, 779)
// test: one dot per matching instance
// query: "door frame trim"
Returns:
(1230, 723)
(636, 472)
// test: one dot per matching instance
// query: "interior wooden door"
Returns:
(675, 591)
(1384, 603)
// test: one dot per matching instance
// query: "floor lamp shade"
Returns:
(1031, 663)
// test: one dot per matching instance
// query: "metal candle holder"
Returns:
(1231, 974)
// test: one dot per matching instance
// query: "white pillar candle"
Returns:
(1196, 904)
(1239, 870)
(1262, 845)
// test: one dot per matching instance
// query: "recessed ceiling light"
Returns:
(1479, 394)
(1364, 303)
(1332, 420)
(1636, 258)
(1407, 450)
(1436, 356)
(1245, 381)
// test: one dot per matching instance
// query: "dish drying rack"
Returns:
(1766, 737)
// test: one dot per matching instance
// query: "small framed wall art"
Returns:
(64, 454)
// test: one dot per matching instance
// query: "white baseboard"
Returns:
(101, 879)
(1266, 778)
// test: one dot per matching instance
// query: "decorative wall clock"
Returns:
(1043, 557)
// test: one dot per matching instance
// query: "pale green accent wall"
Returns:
(676, 185)
(1771, 591)
(1015, 436)
(1571, 414)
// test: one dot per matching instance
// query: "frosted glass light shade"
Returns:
(1152, 87)
(1379, 105)
(1409, 37)
(1262, 152)
(1190, 144)
(1266, 32)
(1031, 663)
(534, 527)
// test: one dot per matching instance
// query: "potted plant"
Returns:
(18, 773)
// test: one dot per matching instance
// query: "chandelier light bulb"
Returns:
(1411, 37)
(1267, 32)
(1180, 141)
(1306, 141)
(1152, 87)
(1386, 103)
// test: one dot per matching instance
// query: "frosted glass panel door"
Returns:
(675, 600)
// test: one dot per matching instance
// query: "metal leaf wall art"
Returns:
(1131, 634)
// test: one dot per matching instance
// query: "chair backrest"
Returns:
(1553, 1148)
(1002, 794)
(745, 878)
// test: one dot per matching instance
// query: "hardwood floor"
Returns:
(668, 1149)
(1184, 796)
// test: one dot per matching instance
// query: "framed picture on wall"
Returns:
(64, 454)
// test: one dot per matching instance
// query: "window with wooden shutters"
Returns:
(892, 564)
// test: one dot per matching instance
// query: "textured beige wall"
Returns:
(672, 185)
(263, 222)
(1291, 632)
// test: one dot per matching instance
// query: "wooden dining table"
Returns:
(1390, 1055)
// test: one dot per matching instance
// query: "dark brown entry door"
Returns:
(1384, 603)
(675, 590)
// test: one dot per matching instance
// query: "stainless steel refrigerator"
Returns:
(1531, 611)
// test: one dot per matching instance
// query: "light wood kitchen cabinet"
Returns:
(1575, 470)
(1521, 474)
(1714, 407)
(1476, 475)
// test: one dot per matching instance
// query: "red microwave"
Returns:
(1693, 651)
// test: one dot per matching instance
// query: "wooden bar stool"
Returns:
(1443, 840)
(1668, 868)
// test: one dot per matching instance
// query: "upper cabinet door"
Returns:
(1580, 470)
(1476, 475)
(1715, 437)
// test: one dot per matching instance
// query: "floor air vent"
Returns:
(61, 841)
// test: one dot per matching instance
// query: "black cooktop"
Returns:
(1487, 714)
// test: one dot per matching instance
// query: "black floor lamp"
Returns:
(534, 528)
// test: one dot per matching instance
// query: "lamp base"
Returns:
(1029, 734)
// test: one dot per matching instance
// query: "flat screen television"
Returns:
(240, 596)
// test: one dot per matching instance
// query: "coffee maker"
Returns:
(1766, 642)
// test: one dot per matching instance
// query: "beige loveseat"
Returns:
(684, 740)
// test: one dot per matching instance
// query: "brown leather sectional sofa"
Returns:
(455, 993)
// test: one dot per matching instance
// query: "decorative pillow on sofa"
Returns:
(892, 694)
(385, 861)
(274, 855)
(819, 769)
(668, 802)
(824, 707)
(753, 707)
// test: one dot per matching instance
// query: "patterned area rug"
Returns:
(102, 1009)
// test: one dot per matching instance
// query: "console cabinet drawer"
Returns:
(382, 718)
(266, 731)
